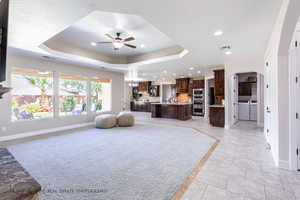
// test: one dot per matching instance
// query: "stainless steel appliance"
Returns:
(198, 102)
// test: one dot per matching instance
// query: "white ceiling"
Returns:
(247, 26)
(93, 28)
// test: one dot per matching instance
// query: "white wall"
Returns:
(13, 60)
(277, 75)
(231, 68)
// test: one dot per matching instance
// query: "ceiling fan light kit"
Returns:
(118, 42)
(226, 49)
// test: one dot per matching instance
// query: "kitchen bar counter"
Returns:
(180, 111)
(179, 104)
(216, 106)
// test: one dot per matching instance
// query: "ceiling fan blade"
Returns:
(129, 39)
(111, 37)
(104, 42)
(129, 45)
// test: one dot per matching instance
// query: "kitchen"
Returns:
(180, 99)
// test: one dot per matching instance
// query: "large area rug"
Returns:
(144, 162)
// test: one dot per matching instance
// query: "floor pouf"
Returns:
(106, 121)
(125, 119)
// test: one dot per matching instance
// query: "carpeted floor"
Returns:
(144, 162)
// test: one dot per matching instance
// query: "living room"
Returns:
(126, 100)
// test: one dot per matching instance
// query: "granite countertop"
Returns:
(179, 104)
(15, 182)
(143, 102)
(217, 106)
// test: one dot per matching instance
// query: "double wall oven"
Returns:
(198, 102)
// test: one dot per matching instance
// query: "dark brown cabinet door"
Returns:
(245, 89)
(182, 85)
(198, 84)
(219, 86)
(217, 116)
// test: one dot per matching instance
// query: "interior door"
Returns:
(235, 98)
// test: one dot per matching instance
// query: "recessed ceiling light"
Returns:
(192, 68)
(218, 33)
(228, 52)
(93, 43)
(142, 45)
(199, 72)
(165, 71)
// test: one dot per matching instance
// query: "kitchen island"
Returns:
(180, 111)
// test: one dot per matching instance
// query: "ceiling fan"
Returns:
(118, 42)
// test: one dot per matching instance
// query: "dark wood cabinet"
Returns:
(182, 85)
(144, 86)
(217, 116)
(185, 112)
(219, 85)
(245, 89)
(219, 75)
(140, 107)
(198, 84)
(173, 111)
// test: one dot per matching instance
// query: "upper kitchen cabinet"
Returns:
(219, 86)
(219, 82)
(144, 86)
(245, 89)
(182, 85)
(198, 84)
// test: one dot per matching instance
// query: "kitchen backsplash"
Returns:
(183, 98)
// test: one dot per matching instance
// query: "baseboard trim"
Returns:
(283, 164)
(43, 132)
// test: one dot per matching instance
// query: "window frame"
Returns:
(52, 78)
(87, 91)
(110, 95)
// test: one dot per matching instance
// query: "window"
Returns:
(72, 95)
(100, 94)
(32, 94)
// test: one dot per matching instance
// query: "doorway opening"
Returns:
(247, 98)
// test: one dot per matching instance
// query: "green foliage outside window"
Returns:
(69, 104)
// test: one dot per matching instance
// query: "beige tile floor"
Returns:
(241, 167)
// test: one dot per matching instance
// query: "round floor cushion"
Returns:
(106, 121)
(125, 119)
